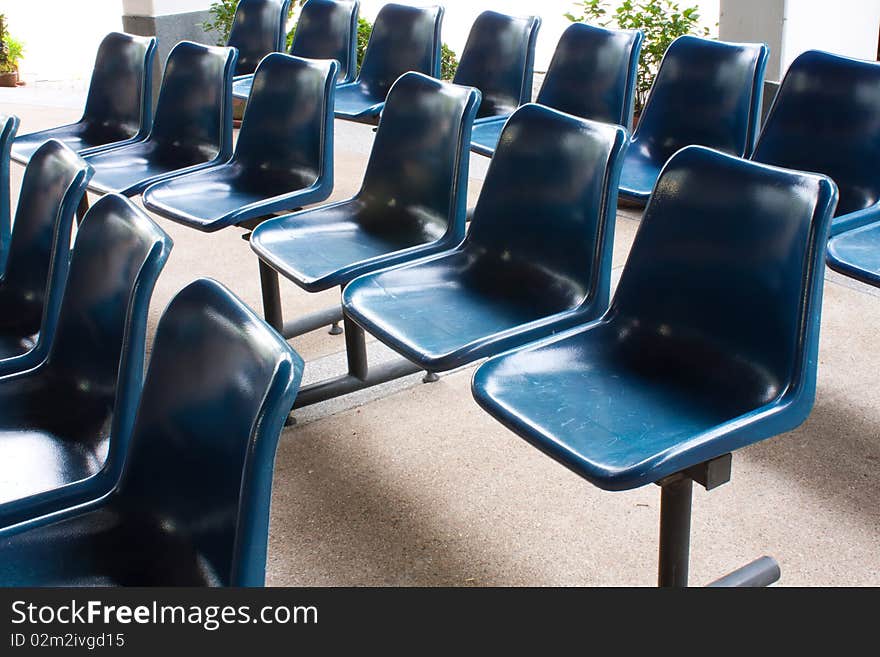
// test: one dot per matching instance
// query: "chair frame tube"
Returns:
(359, 375)
(676, 496)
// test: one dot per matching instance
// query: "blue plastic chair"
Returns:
(536, 259)
(710, 344)
(856, 253)
(259, 27)
(119, 105)
(192, 506)
(192, 129)
(706, 93)
(31, 286)
(499, 59)
(592, 75)
(283, 159)
(826, 118)
(64, 424)
(411, 204)
(326, 29)
(403, 39)
(8, 128)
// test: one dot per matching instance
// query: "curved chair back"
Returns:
(593, 74)
(194, 110)
(546, 213)
(707, 93)
(258, 28)
(218, 389)
(102, 324)
(420, 158)
(723, 285)
(327, 29)
(498, 59)
(403, 39)
(37, 263)
(120, 94)
(284, 141)
(826, 118)
(8, 128)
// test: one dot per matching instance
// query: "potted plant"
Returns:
(11, 50)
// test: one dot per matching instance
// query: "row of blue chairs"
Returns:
(498, 57)
(592, 75)
(97, 459)
(724, 277)
(99, 516)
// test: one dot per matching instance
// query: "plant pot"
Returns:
(9, 79)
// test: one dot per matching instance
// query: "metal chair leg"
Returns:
(271, 297)
(675, 529)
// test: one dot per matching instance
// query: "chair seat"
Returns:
(20, 317)
(130, 169)
(856, 253)
(52, 433)
(225, 195)
(354, 102)
(620, 420)
(443, 314)
(322, 248)
(103, 547)
(78, 137)
(486, 134)
(241, 86)
(12, 345)
(638, 175)
(35, 461)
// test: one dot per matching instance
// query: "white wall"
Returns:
(789, 27)
(60, 37)
(845, 27)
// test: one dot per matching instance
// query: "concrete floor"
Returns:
(413, 484)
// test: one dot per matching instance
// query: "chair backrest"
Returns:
(826, 118)
(327, 29)
(218, 388)
(420, 157)
(593, 74)
(286, 137)
(498, 59)
(8, 128)
(706, 93)
(403, 39)
(54, 183)
(121, 88)
(102, 324)
(194, 110)
(258, 28)
(544, 222)
(722, 289)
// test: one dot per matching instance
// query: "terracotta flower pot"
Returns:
(9, 79)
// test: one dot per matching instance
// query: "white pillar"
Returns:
(789, 27)
(169, 21)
